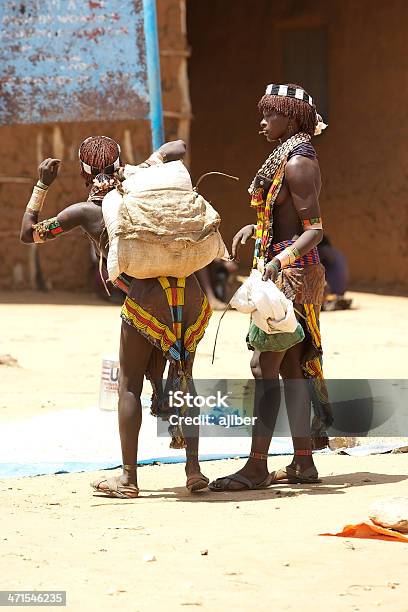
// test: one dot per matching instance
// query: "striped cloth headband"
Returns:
(289, 92)
(95, 171)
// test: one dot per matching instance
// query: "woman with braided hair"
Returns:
(285, 195)
(147, 337)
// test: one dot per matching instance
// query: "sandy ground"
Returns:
(263, 547)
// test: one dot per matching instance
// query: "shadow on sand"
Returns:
(330, 485)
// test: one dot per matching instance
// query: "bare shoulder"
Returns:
(303, 171)
(92, 216)
(73, 212)
(84, 214)
(91, 209)
(299, 165)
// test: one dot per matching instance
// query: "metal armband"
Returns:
(46, 230)
(313, 223)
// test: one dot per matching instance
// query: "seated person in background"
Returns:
(337, 276)
(218, 280)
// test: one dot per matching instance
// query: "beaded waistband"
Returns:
(312, 257)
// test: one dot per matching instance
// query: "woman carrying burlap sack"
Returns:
(163, 319)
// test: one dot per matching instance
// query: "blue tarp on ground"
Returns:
(17, 470)
(87, 439)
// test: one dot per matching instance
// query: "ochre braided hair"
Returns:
(99, 152)
(302, 112)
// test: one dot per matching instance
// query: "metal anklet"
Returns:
(260, 456)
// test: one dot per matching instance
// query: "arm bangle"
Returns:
(275, 266)
(36, 201)
(288, 256)
(42, 185)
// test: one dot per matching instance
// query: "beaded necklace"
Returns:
(273, 173)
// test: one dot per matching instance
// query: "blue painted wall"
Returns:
(72, 60)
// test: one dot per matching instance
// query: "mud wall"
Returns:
(237, 49)
(65, 262)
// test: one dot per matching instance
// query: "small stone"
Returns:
(149, 558)
(287, 564)
(204, 552)
(391, 513)
(114, 591)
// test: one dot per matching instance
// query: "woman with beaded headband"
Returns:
(143, 350)
(285, 196)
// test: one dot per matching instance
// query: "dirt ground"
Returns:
(240, 550)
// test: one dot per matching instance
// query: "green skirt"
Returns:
(261, 341)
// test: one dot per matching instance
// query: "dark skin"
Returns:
(298, 199)
(135, 350)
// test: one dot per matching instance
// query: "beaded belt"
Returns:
(312, 257)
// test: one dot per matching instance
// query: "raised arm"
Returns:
(172, 151)
(33, 230)
(169, 151)
(303, 179)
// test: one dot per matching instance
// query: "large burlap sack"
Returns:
(165, 215)
(160, 226)
(144, 259)
(391, 513)
(160, 176)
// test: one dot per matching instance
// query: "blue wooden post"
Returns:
(153, 72)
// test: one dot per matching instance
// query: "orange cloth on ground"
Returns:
(369, 530)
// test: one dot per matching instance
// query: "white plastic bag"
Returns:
(271, 310)
(241, 300)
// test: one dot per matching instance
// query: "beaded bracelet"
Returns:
(275, 266)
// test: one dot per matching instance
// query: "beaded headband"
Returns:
(92, 170)
(289, 92)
